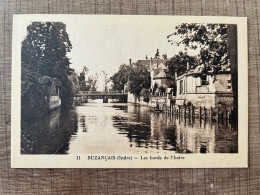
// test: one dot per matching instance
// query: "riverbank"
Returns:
(164, 104)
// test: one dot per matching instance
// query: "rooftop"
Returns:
(162, 74)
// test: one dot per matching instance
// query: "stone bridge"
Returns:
(83, 96)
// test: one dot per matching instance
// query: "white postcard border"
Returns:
(217, 160)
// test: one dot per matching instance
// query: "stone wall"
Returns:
(54, 102)
(136, 100)
(225, 99)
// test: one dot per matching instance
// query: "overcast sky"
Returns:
(105, 42)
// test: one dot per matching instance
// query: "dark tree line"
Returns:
(178, 63)
(133, 77)
(44, 62)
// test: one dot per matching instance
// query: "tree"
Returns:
(82, 79)
(217, 44)
(210, 39)
(106, 80)
(44, 62)
(45, 47)
(139, 79)
(178, 63)
(91, 83)
(73, 77)
(136, 77)
(121, 78)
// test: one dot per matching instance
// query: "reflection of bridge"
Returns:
(83, 96)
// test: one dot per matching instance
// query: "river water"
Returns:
(122, 128)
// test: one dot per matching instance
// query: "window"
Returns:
(181, 86)
(204, 80)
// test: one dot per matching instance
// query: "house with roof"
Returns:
(204, 90)
(158, 71)
(160, 79)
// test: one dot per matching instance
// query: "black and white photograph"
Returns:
(129, 91)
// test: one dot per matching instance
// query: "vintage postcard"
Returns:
(104, 91)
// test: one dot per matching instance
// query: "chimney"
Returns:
(188, 66)
(130, 61)
(165, 56)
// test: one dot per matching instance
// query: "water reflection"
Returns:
(165, 132)
(49, 135)
(97, 128)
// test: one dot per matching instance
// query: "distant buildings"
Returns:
(160, 79)
(192, 87)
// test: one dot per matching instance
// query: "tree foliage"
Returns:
(91, 83)
(105, 80)
(210, 39)
(121, 77)
(139, 79)
(135, 77)
(45, 47)
(178, 63)
(44, 60)
(82, 79)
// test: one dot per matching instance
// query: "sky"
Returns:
(104, 42)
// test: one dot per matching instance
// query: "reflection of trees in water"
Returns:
(163, 129)
(48, 135)
(206, 137)
(226, 136)
(146, 129)
(136, 131)
(160, 131)
(82, 122)
(120, 107)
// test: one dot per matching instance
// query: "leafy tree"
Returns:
(106, 79)
(178, 63)
(136, 77)
(91, 83)
(82, 79)
(210, 39)
(44, 61)
(44, 49)
(73, 77)
(120, 78)
(139, 79)
(217, 44)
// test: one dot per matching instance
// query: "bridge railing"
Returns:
(100, 92)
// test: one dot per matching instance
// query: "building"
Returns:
(159, 75)
(54, 96)
(158, 71)
(205, 90)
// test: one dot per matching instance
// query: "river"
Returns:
(123, 128)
